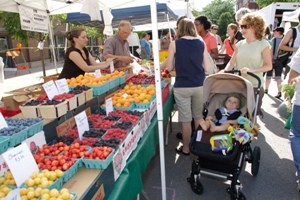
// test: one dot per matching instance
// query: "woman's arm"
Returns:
(231, 64)
(171, 56)
(206, 62)
(78, 60)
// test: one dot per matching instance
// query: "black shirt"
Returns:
(70, 69)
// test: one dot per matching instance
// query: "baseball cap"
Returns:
(279, 29)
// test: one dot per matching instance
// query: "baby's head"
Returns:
(232, 101)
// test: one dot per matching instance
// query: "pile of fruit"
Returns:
(132, 94)
(92, 80)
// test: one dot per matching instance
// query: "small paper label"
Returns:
(112, 67)
(13, 195)
(125, 95)
(98, 73)
(108, 105)
(82, 123)
(199, 136)
(62, 86)
(50, 89)
(3, 123)
(21, 163)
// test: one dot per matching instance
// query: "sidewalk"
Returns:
(24, 78)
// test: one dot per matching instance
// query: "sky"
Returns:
(200, 4)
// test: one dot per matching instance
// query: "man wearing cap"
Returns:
(277, 66)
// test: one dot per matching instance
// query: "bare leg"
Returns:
(267, 83)
(186, 136)
(222, 127)
(204, 124)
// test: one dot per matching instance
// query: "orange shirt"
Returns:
(210, 41)
(229, 48)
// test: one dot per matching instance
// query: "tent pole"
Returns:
(158, 98)
(66, 40)
(51, 36)
(52, 44)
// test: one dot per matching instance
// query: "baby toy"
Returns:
(247, 125)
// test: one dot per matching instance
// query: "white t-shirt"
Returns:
(295, 65)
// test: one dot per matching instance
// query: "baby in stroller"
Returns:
(224, 116)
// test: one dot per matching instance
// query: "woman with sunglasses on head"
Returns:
(214, 30)
(253, 53)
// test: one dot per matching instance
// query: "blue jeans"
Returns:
(295, 136)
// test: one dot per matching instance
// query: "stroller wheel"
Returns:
(236, 195)
(196, 185)
(255, 161)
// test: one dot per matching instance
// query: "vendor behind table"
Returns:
(78, 59)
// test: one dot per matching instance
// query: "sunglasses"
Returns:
(244, 26)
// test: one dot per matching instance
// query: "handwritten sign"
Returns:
(98, 73)
(13, 195)
(50, 89)
(82, 123)
(3, 123)
(108, 105)
(62, 86)
(20, 162)
(112, 67)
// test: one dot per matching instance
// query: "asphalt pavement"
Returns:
(275, 180)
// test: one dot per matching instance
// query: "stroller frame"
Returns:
(217, 165)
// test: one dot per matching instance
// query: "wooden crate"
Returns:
(53, 111)
(30, 111)
(88, 95)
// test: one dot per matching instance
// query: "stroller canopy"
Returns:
(217, 87)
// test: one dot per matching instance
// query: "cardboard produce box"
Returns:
(12, 102)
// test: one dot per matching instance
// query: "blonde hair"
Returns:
(240, 13)
(256, 22)
(186, 27)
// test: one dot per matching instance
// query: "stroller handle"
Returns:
(249, 73)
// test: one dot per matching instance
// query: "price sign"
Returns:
(125, 95)
(82, 123)
(112, 67)
(62, 86)
(50, 89)
(109, 105)
(3, 166)
(98, 73)
(13, 195)
(3, 123)
(20, 162)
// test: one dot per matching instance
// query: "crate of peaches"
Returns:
(100, 85)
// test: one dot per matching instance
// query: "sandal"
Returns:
(179, 151)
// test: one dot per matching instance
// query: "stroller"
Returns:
(215, 89)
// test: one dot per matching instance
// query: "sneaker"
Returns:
(298, 184)
(266, 91)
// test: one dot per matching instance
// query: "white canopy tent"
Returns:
(288, 17)
(60, 6)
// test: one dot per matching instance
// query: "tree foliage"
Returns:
(11, 23)
(220, 12)
(214, 10)
(223, 21)
(264, 3)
